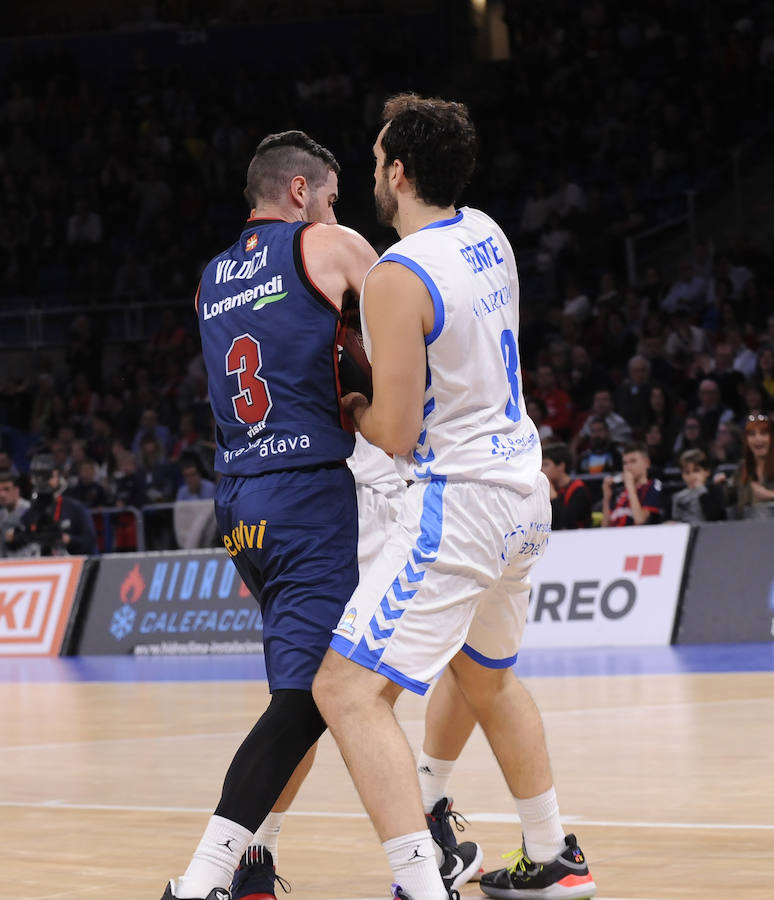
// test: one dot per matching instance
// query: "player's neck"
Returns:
(283, 213)
(415, 215)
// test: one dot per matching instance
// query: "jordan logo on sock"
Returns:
(417, 854)
(227, 844)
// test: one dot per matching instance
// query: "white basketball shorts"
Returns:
(453, 573)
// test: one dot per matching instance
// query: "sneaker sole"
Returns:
(555, 892)
(470, 871)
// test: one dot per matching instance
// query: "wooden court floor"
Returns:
(668, 781)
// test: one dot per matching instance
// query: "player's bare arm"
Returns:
(336, 260)
(399, 313)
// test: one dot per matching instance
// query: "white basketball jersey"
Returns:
(475, 424)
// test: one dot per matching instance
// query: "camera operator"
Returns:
(54, 525)
(12, 507)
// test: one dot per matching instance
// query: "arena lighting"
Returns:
(479, 6)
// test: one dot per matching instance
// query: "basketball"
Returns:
(354, 368)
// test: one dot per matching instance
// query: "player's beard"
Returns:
(386, 204)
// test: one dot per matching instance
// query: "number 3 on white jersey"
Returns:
(511, 359)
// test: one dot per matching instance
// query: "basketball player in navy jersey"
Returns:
(451, 584)
(269, 310)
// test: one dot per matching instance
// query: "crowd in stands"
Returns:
(117, 189)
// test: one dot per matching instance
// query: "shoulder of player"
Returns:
(391, 274)
(339, 241)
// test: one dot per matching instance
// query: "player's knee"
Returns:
(479, 684)
(324, 684)
(336, 687)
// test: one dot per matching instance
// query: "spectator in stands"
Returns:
(689, 290)
(710, 410)
(751, 489)
(87, 489)
(602, 455)
(701, 500)
(84, 226)
(689, 437)
(7, 464)
(559, 409)
(632, 498)
(188, 438)
(729, 379)
(755, 400)
(764, 373)
(536, 410)
(54, 524)
(12, 507)
(745, 360)
(652, 348)
(661, 412)
(160, 478)
(43, 410)
(602, 408)
(632, 396)
(586, 377)
(659, 449)
(685, 340)
(619, 342)
(576, 302)
(726, 449)
(149, 424)
(570, 498)
(195, 486)
(127, 485)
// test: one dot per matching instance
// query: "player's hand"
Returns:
(354, 404)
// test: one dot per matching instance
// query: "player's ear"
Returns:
(299, 191)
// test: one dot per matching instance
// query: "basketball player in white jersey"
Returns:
(451, 584)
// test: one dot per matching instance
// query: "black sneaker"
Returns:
(566, 876)
(256, 877)
(399, 894)
(439, 822)
(460, 864)
(214, 894)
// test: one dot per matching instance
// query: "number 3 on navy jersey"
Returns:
(511, 359)
(253, 402)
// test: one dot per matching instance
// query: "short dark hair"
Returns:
(436, 142)
(636, 447)
(695, 457)
(10, 476)
(599, 420)
(279, 158)
(559, 453)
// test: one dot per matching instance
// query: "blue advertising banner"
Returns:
(154, 604)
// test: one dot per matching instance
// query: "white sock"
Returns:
(214, 860)
(268, 834)
(543, 832)
(412, 860)
(434, 777)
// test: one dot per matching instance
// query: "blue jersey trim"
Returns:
(435, 294)
(486, 661)
(443, 223)
(349, 651)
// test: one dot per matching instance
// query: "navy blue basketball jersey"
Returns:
(269, 340)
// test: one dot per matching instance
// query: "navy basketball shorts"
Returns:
(293, 538)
